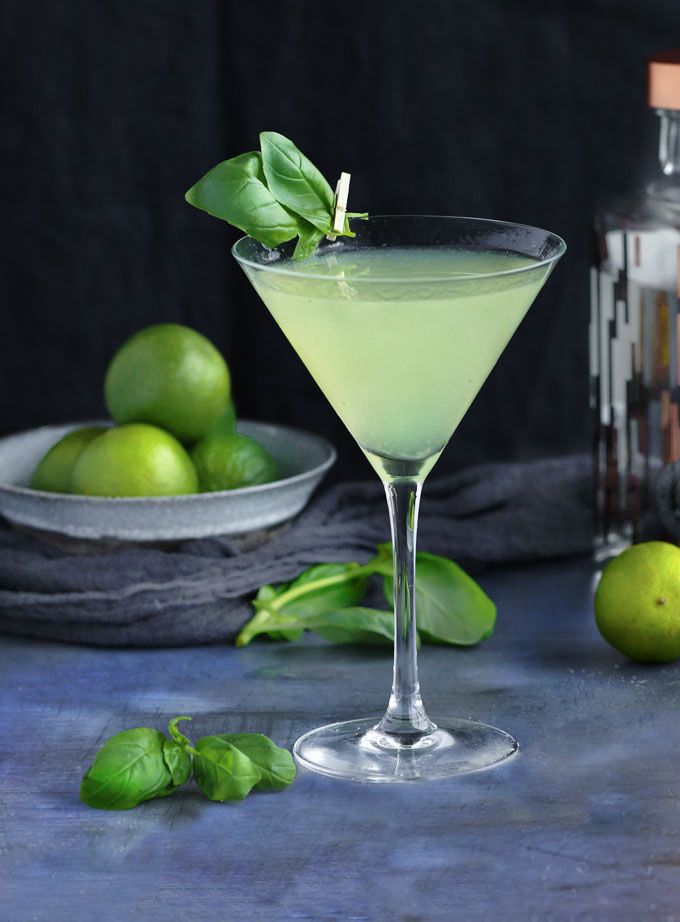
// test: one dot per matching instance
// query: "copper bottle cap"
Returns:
(663, 80)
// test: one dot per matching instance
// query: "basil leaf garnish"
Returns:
(309, 237)
(222, 771)
(274, 195)
(276, 765)
(236, 191)
(296, 182)
(134, 766)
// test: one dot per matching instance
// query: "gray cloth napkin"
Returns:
(197, 592)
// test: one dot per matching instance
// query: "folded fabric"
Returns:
(198, 592)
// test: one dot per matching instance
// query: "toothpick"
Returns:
(341, 197)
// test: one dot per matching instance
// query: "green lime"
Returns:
(53, 472)
(637, 603)
(170, 376)
(226, 424)
(134, 460)
(227, 462)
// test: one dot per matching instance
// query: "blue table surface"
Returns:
(583, 824)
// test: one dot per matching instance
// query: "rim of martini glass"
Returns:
(287, 267)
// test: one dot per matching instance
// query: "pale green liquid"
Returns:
(403, 342)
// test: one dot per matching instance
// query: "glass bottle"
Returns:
(634, 342)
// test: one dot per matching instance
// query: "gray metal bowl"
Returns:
(303, 460)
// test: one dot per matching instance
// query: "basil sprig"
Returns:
(274, 195)
(134, 766)
(326, 600)
(142, 764)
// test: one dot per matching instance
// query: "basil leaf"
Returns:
(264, 613)
(236, 191)
(130, 768)
(177, 761)
(308, 240)
(175, 753)
(382, 563)
(222, 771)
(450, 607)
(276, 765)
(271, 623)
(353, 625)
(346, 625)
(295, 181)
(321, 588)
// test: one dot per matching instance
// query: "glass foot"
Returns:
(359, 751)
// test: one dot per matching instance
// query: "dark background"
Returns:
(528, 111)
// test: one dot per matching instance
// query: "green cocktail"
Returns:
(400, 327)
(399, 361)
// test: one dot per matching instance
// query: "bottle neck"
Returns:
(669, 141)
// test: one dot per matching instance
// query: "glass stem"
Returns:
(405, 715)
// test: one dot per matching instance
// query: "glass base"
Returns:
(359, 751)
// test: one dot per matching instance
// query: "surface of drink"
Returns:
(400, 339)
(634, 341)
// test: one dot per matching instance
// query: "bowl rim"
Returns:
(263, 488)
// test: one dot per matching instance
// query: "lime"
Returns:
(134, 460)
(226, 462)
(53, 471)
(226, 424)
(170, 376)
(637, 603)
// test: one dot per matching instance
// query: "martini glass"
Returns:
(400, 326)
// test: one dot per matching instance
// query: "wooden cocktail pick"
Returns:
(341, 197)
